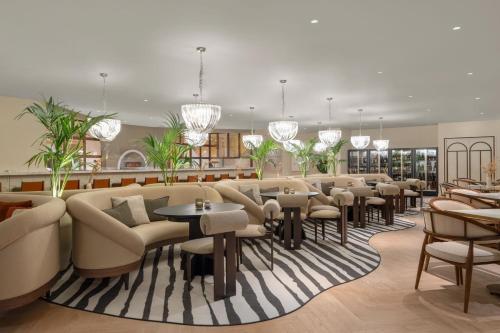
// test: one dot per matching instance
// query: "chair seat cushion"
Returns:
(282, 216)
(199, 246)
(323, 207)
(325, 214)
(411, 193)
(375, 201)
(159, 231)
(252, 230)
(457, 252)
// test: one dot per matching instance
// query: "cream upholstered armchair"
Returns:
(467, 196)
(29, 250)
(460, 247)
(105, 247)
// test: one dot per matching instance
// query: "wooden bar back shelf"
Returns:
(101, 183)
(32, 186)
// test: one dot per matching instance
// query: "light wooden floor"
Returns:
(383, 301)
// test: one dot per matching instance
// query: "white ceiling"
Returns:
(148, 48)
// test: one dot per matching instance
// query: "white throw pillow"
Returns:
(255, 190)
(136, 205)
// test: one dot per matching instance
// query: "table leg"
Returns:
(297, 229)
(362, 212)
(287, 228)
(355, 212)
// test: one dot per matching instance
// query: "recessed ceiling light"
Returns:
(146, 100)
(456, 28)
(428, 110)
(380, 72)
(477, 98)
(230, 115)
(481, 113)
(410, 96)
(314, 21)
(470, 73)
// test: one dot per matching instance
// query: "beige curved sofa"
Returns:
(370, 177)
(29, 250)
(229, 190)
(104, 247)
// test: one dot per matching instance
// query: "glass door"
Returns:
(401, 164)
(426, 167)
(379, 161)
(358, 161)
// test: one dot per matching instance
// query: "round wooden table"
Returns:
(190, 214)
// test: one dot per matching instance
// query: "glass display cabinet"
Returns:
(398, 163)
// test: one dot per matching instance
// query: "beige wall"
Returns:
(16, 136)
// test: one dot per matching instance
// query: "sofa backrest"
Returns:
(371, 177)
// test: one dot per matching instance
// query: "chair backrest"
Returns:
(361, 191)
(465, 181)
(439, 220)
(32, 186)
(72, 184)
(224, 176)
(293, 200)
(101, 183)
(151, 180)
(253, 175)
(241, 175)
(192, 179)
(127, 181)
(466, 196)
(209, 178)
(223, 222)
(174, 180)
(387, 189)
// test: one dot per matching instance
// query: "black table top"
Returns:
(275, 194)
(189, 210)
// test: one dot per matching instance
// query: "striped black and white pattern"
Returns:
(158, 292)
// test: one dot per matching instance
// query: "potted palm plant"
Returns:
(166, 152)
(61, 144)
(261, 156)
(304, 155)
(328, 161)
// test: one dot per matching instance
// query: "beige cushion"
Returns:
(387, 189)
(255, 190)
(344, 199)
(375, 201)
(324, 207)
(252, 230)
(199, 246)
(410, 193)
(281, 216)
(293, 200)
(221, 222)
(325, 214)
(136, 205)
(271, 207)
(457, 252)
(361, 191)
(159, 231)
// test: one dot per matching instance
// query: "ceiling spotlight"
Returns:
(380, 72)
(146, 100)
(477, 98)
(481, 113)
(470, 73)
(410, 96)
(428, 110)
(456, 28)
(314, 21)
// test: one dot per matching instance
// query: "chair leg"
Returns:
(426, 264)
(125, 278)
(230, 264)
(272, 251)
(468, 275)
(323, 229)
(219, 287)
(238, 251)
(315, 231)
(457, 274)
(423, 255)
(189, 256)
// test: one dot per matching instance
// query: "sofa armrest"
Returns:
(99, 221)
(230, 194)
(30, 220)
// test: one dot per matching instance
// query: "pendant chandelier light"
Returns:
(251, 141)
(107, 129)
(360, 141)
(319, 147)
(195, 139)
(380, 144)
(201, 117)
(330, 137)
(283, 130)
(291, 146)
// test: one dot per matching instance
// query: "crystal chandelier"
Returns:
(201, 117)
(292, 146)
(195, 139)
(330, 137)
(283, 130)
(319, 147)
(381, 144)
(360, 141)
(251, 141)
(107, 129)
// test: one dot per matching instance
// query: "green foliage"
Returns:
(61, 143)
(166, 153)
(328, 161)
(304, 155)
(260, 155)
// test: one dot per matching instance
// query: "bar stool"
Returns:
(253, 175)
(209, 178)
(224, 176)
(222, 227)
(32, 186)
(416, 190)
(72, 184)
(175, 179)
(127, 181)
(151, 180)
(192, 179)
(292, 205)
(101, 183)
(359, 205)
(343, 200)
(241, 175)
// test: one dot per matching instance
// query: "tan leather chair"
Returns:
(29, 250)
(105, 247)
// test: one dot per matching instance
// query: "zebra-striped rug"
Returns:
(158, 293)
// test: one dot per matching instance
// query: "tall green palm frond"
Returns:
(261, 155)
